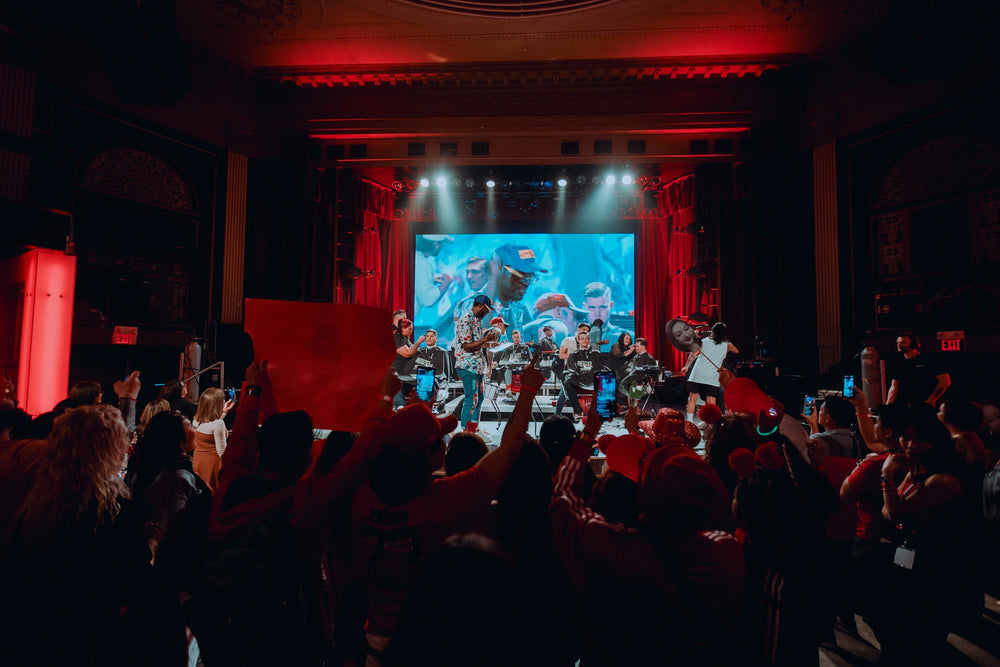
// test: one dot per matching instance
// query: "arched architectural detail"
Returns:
(137, 175)
(937, 168)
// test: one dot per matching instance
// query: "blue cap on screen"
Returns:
(483, 299)
(519, 257)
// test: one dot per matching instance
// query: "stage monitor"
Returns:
(537, 280)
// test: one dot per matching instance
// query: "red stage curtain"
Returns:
(666, 251)
(375, 204)
(396, 282)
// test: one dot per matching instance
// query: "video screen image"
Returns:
(535, 281)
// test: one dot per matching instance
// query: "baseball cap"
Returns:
(499, 320)
(891, 414)
(551, 300)
(625, 454)
(679, 491)
(519, 257)
(483, 299)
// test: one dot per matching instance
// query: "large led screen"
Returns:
(534, 279)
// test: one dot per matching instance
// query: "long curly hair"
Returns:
(81, 482)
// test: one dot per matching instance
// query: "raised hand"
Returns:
(256, 373)
(129, 387)
(391, 384)
(531, 377)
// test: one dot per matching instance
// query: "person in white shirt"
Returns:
(210, 435)
(704, 378)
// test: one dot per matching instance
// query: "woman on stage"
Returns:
(704, 378)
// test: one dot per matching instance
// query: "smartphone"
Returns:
(809, 406)
(231, 394)
(605, 391)
(425, 383)
(848, 386)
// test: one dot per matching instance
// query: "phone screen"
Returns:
(848, 386)
(809, 405)
(605, 389)
(425, 383)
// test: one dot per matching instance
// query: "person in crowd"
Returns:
(722, 438)
(917, 377)
(708, 360)
(598, 304)
(615, 495)
(210, 434)
(403, 514)
(465, 449)
(556, 436)
(470, 348)
(175, 393)
(429, 285)
(266, 521)
(781, 506)
(77, 543)
(14, 422)
(921, 587)
(579, 374)
(963, 418)
(153, 408)
(675, 581)
(990, 431)
(836, 417)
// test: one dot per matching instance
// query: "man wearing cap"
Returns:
(512, 269)
(470, 347)
(559, 312)
(432, 356)
(598, 304)
(428, 286)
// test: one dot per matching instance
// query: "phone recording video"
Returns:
(809, 406)
(425, 383)
(605, 390)
(848, 386)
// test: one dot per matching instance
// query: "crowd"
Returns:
(153, 538)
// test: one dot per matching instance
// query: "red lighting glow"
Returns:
(46, 329)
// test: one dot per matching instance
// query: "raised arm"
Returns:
(497, 463)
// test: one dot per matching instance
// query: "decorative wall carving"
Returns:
(938, 168)
(139, 176)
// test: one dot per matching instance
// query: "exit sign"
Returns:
(952, 341)
(125, 335)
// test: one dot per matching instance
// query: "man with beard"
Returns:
(597, 301)
(511, 270)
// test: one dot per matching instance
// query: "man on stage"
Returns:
(579, 373)
(637, 370)
(470, 347)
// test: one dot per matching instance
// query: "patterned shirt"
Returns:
(469, 329)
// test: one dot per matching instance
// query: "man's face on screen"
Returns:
(598, 307)
(475, 274)
(511, 287)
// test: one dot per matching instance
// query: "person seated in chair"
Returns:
(580, 369)
(432, 356)
(637, 368)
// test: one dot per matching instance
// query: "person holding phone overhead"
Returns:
(210, 434)
(708, 359)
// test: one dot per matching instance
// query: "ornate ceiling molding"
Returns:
(547, 73)
(139, 176)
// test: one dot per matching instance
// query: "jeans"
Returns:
(472, 385)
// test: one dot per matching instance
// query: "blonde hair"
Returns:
(80, 473)
(210, 405)
(152, 408)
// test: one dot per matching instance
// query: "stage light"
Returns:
(581, 179)
(610, 179)
(441, 181)
(562, 182)
(626, 179)
(397, 185)
(424, 182)
(470, 183)
(490, 183)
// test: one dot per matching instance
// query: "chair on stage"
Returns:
(497, 389)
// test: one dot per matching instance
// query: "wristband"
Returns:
(387, 398)
(126, 398)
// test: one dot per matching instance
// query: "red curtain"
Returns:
(375, 204)
(396, 281)
(666, 251)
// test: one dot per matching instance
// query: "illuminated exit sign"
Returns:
(951, 341)
(125, 335)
